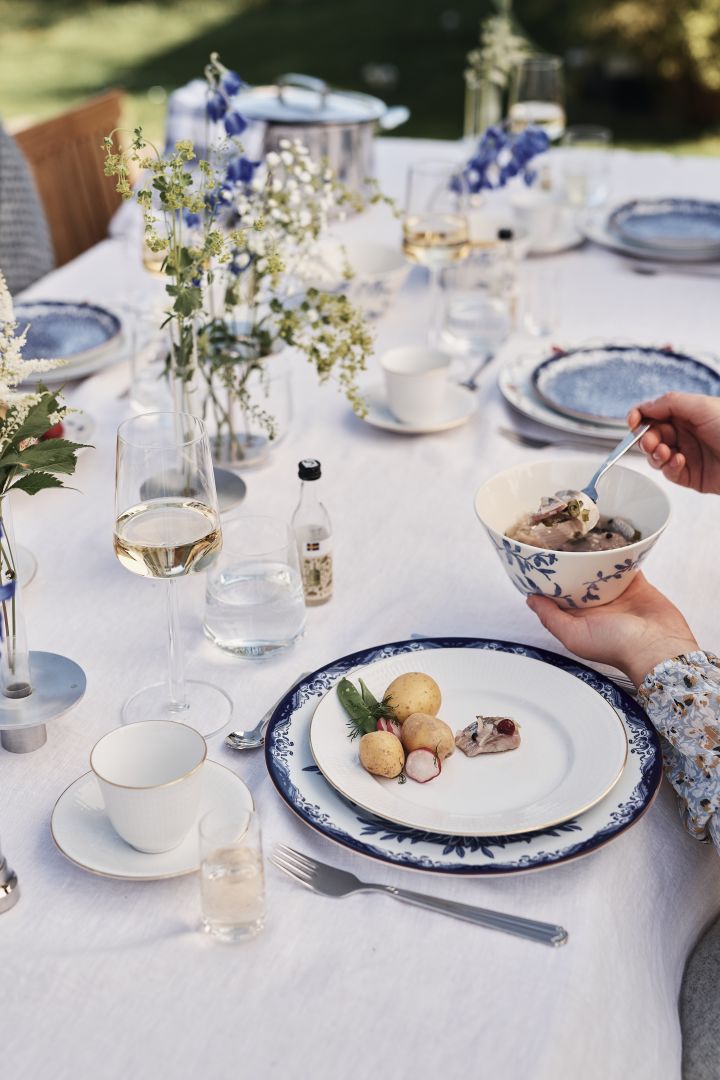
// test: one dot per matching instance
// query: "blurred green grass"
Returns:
(54, 53)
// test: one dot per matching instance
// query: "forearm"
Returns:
(640, 662)
(682, 698)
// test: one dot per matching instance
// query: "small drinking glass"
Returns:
(537, 96)
(586, 165)
(255, 605)
(232, 878)
(478, 304)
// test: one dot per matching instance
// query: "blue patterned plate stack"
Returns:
(308, 794)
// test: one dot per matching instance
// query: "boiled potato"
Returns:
(413, 693)
(381, 753)
(422, 731)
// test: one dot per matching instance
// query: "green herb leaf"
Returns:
(34, 482)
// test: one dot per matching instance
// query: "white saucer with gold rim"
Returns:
(82, 831)
(460, 405)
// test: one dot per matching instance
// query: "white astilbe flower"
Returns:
(15, 404)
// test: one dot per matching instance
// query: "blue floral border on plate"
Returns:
(643, 742)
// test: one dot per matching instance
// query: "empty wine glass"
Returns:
(435, 225)
(168, 526)
(537, 96)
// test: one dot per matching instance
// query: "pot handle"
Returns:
(306, 82)
(394, 117)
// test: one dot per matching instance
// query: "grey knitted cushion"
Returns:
(26, 251)
(700, 1009)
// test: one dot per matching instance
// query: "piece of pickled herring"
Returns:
(568, 505)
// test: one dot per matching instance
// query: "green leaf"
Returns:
(37, 481)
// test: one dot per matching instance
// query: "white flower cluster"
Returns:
(501, 48)
(286, 206)
(14, 405)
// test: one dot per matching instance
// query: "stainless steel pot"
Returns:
(337, 126)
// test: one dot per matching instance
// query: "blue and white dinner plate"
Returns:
(596, 227)
(85, 335)
(601, 383)
(682, 225)
(303, 788)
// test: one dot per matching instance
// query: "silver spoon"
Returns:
(255, 737)
(471, 383)
(560, 500)
(622, 448)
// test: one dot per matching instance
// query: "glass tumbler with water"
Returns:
(254, 600)
(232, 879)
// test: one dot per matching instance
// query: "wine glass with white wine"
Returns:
(167, 525)
(435, 225)
(537, 96)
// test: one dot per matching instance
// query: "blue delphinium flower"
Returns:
(231, 83)
(190, 219)
(235, 124)
(236, 266)
(241, 170)
(216, 106)
(500, 156)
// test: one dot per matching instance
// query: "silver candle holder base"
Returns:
(57, 684)
(231, 489)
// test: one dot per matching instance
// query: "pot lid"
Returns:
(301, 99)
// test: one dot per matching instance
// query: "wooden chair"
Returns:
(66, 158)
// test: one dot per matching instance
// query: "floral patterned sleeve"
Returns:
(682, 698)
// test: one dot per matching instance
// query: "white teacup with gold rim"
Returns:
(150, 778)
(416, 379)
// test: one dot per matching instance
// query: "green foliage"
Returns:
(28, 462)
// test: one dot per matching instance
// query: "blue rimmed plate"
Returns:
(601, 383)
(690, 226)
(85, 335)
(304, 789)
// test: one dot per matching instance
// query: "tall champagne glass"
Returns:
(537, 96)
(167, 525)
(435, 225)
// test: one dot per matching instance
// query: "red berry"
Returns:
(506, 727)
(55, 432)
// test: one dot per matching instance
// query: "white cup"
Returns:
(150, 778)
(417, 383)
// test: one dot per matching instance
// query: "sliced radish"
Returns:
(385, 724)
(422, 765)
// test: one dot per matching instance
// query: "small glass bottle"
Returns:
(313, 534)
(506, 277)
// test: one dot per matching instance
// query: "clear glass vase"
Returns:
(14, 660)
(244, 429)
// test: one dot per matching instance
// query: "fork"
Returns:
(330, 881)
(533, 442)
(255, 737)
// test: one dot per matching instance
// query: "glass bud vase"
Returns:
(14, 660)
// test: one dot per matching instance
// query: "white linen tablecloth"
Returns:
(109, 979)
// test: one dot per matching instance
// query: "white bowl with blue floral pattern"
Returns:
(575, 579)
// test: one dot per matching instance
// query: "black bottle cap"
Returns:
(309, 469)
(505, 234)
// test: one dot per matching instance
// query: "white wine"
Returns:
(153, 261)
(435, 240)
(166, 538)
(547, 115)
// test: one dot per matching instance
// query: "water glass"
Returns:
(232, 878)
(586, 165)
(478, 304)
(255, 605)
